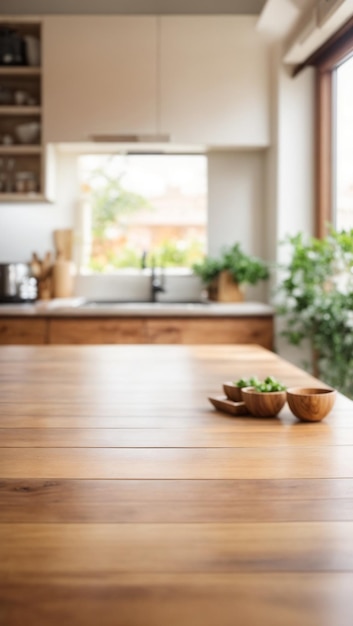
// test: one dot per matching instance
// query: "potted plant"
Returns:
(225, 276)
(315, 297)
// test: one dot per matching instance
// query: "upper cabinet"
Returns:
(214, 81)
(99, 76)
(201, 80)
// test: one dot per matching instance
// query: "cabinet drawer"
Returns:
(95, 331)
(257, 330)
(22, 331)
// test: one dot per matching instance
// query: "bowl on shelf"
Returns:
(311, 404)
(232, 391)
(263, 403)
(28, 133)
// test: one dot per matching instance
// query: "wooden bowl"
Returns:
(311, 404)
(263, 404)
(232, 392)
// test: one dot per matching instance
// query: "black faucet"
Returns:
(157, 282)
(144, 260)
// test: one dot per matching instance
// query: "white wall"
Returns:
(236, 200)
(291, 159)
(290, 170)
(296, 153)
(237, 205)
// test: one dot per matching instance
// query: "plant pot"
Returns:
(224, 289)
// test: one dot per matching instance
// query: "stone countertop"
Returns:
(77, 307)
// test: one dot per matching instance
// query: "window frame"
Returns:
(326, 60)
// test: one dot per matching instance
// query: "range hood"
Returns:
(109, 144)
(132, 138)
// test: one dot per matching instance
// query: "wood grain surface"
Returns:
(126, 499)
(22, 331)
(139, 330)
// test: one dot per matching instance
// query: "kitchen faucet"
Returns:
(157, 282)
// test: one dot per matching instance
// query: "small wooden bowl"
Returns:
(311, 404)
(232, 392)
(263, 404)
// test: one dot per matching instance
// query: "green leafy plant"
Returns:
(242, 267)
(316, 299)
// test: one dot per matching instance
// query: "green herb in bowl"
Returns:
(232, 389)
(247, 382)
(266, 398)
(270, 384)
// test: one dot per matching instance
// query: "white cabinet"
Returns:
(99, 76)
(202, 80)
(214, 81)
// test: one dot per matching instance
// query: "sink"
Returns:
(137, 303)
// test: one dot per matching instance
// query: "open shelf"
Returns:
(22, 197)
(20, 110)
(17, 70)
(22, 165)
(22, 149)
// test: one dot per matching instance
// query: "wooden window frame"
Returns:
(326, 60)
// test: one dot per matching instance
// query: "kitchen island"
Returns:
(125, 499)
(77, 322)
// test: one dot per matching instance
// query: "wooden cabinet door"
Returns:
(99, 76)
(22, 331)
(205, 330)
(102, 330)
(214, 81)
(163, 330)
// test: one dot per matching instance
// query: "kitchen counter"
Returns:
(78, 308)
(126, 499)
(74, 322)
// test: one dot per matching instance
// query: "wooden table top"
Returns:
(127, 500)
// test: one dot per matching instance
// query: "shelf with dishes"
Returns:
(20, 131)
(21, 147)
(20, 49)
(20, 173)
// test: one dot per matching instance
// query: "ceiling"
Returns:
(130, 7)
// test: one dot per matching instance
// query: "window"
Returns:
(334, 195)
(144, 209)
(343, 163)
